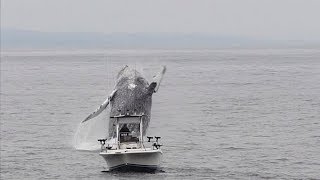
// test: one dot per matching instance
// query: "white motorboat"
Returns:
(128, 151)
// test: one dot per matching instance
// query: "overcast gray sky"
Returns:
(272, 19)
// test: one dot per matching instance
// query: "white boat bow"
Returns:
(127, 151)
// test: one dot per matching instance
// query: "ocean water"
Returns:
(222, 114)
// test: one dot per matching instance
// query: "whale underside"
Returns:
(131, 96)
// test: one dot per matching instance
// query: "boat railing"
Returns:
(105, 145)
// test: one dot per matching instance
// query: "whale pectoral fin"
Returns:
(152, 87)
(101, 107)
(158, 78)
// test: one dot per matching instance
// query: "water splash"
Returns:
(89, 132)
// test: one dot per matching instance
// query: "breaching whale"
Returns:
(131, 96)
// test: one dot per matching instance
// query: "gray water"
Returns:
(222, 114)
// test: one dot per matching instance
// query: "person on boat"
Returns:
(125, 134)
(125, 128)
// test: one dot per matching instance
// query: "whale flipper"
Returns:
(158, 78)
(101, 107)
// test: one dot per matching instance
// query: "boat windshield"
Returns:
(129, 132)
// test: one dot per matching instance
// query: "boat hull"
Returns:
(133, 159)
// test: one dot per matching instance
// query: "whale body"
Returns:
(131, 96)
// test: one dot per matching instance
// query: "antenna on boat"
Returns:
(106, 69)
(135, 75)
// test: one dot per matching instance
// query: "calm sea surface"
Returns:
(222, 114)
